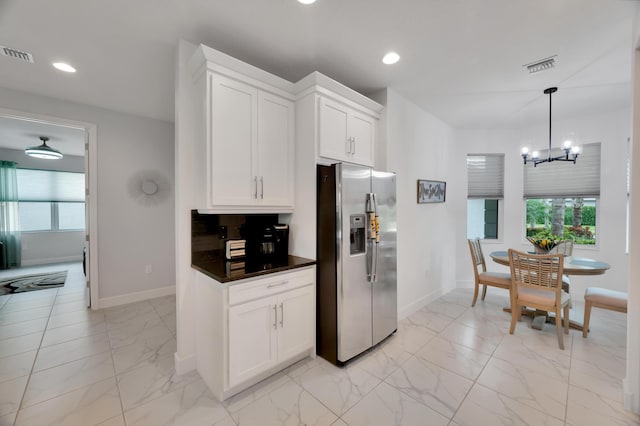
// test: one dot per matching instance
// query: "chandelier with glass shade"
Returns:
(570, 147)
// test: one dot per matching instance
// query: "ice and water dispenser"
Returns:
(357, 233)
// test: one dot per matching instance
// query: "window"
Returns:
(485, 179)
(50, 200)
(563, 198)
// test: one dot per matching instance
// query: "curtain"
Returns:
(9, 219)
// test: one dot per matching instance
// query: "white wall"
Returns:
(418, 146)
(130, 234)
(39, 248)
(611, 129)
(188, 136)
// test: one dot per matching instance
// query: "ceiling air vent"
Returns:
(17, 54)
(541, 65)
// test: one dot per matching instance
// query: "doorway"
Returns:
(81, 156)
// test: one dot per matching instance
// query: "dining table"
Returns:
(572, 266)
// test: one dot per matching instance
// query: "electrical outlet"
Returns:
(147, 269)
(222, 232)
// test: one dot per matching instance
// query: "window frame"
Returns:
(55, 218)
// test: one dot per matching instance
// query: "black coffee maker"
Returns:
(269, 244)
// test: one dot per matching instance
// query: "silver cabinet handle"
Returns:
(275, 317)
(348, 145)
(281, 315)
(278, 284)
(255, 183)
(353, 141)
(261, 187)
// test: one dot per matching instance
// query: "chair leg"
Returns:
(484, 291)
(587, 317)
(475, 295)
(514, 318)
(566, 318)
(559, 327)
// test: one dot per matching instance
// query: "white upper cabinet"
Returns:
(338, 121)
(362, 132)
(233, 142)
(345, 134)
(275, 150)
(250, 147)
(247, 133)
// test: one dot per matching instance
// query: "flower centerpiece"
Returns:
(544, 241)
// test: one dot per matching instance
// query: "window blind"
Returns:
(485, 176)
(49, 185)
(560, 180)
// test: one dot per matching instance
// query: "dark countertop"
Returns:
(217, 267)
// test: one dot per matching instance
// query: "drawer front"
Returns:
(270, 285)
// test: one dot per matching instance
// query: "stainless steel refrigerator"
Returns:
(356, 260)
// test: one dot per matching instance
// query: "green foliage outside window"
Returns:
(539, 221)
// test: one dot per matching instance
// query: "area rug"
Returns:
(32, 282)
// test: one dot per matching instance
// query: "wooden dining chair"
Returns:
(495, 279)
(537, 283)
(564, 247)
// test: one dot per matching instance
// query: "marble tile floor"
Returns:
(448, 364)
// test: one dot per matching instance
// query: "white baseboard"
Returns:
(415, 306)
(631, 399)
(184, 365)
(138, 296)
(47, 261)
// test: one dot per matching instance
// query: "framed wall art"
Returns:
(431, 191)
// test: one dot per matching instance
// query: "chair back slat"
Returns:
(542, 271)
(476, 253)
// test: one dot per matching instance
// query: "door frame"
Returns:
(91, 199)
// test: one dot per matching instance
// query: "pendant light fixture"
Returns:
(43, 151)
(570, 147)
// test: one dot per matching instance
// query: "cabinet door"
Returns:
(252, 339)
(296, 322)
(333, 138)
(232, 142)
(361, 130)
(275, 150)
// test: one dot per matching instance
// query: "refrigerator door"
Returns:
(354, 291)
(384, 288)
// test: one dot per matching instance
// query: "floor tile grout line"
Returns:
(67, 362)
(115, 374)
(35, 358)
(566, 405)
(313, 396)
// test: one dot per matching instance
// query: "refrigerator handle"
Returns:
(377, 238)
(372, 234)
(371, 223)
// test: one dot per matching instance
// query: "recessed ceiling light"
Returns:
(307, 1)
(64, 67)
(391, 58)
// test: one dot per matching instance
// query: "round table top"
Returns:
(572, 265)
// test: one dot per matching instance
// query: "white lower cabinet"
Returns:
(269, 330)
(252, 339)
(253, 328)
